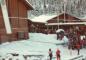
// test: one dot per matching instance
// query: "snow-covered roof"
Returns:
(43, 18)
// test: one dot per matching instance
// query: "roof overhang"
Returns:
(28, 5)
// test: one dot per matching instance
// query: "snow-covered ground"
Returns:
(38, 44)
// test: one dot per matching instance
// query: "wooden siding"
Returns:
(13, 12)
(68, 18)
(22, 22)
(2, 26)
(17, 10)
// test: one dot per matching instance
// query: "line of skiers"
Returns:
(75, 42)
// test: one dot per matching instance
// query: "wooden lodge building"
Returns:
(56, 22)
(65, 21)
(17, 13)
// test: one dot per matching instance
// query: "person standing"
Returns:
(58, 54)
(50, 54)
(78, 48)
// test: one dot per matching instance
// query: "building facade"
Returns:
(17, 12)
(65, 21)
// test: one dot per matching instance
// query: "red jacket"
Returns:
(78, 46)
(58, 52)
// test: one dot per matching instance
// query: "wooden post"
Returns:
(5, 17)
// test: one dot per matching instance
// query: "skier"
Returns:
(78, 47)
(50, 54)
(58, 54)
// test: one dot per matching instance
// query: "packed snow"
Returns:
(59, 30)
(37, 48)
(43, 18)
